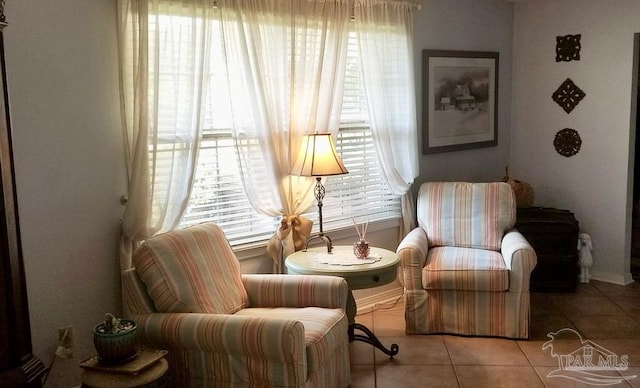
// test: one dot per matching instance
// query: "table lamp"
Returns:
(317, 158)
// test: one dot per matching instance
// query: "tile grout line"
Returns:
(453, 366)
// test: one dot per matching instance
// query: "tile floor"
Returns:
(606, 314)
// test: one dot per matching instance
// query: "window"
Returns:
(218, 194)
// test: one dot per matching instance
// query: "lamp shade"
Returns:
(318, 157)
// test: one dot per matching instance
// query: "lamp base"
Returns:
(324, 238)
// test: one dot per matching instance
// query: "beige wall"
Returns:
(69, 163)
(472, 25)
(594, 183)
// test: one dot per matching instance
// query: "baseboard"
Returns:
(611, 277)
(369, 303)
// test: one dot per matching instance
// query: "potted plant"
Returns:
(115, 339)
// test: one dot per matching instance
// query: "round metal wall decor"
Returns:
(567, 142)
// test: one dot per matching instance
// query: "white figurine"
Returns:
(585, 260)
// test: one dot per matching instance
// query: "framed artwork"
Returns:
(459, 97)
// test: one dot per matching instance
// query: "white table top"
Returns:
(358, 275)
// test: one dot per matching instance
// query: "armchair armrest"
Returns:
(520, 258)
(219, 333)
(296, 291)
(412, 253)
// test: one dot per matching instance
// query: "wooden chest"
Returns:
(553, 234)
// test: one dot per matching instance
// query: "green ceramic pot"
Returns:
(115, 347)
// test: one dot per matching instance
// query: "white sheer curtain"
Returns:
(385, 35)
(157, 38)
(285, 62)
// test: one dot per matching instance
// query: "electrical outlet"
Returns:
(65, 336)
(65, 342)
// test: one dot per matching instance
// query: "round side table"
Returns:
(115, 378)
(358, 276)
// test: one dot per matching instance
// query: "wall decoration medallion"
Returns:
(567, 142)
(568, 95)
(568, 48)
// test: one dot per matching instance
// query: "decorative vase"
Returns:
(361, 249)
(114, 348)
(521, 190)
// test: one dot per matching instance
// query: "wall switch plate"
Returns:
(65, 342)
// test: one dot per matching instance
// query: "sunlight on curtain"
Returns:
(161, 136)
(285, 64)
(385, 36)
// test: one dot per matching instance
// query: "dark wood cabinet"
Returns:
(18, 366)
(553, 234)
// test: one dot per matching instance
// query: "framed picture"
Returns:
(459, 96)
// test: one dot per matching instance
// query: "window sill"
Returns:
(258, 249)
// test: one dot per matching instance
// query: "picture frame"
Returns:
(459, 100)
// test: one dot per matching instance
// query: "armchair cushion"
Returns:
(323, 329)
(135, 299)
(453, 268)
(464, 214)
(178, 269)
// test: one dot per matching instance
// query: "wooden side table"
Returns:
(358, 276)
(148, 367)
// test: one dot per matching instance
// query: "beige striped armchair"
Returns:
(225, 329)
(466, 270)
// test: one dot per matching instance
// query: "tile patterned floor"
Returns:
(606, 314)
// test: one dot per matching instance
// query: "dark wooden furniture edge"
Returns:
(18, 366)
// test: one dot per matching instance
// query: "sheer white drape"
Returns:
(385, 36)
(285, 63)
(285, 68)
(161, 136)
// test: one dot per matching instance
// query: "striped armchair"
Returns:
(466, 271)
(225, 329)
